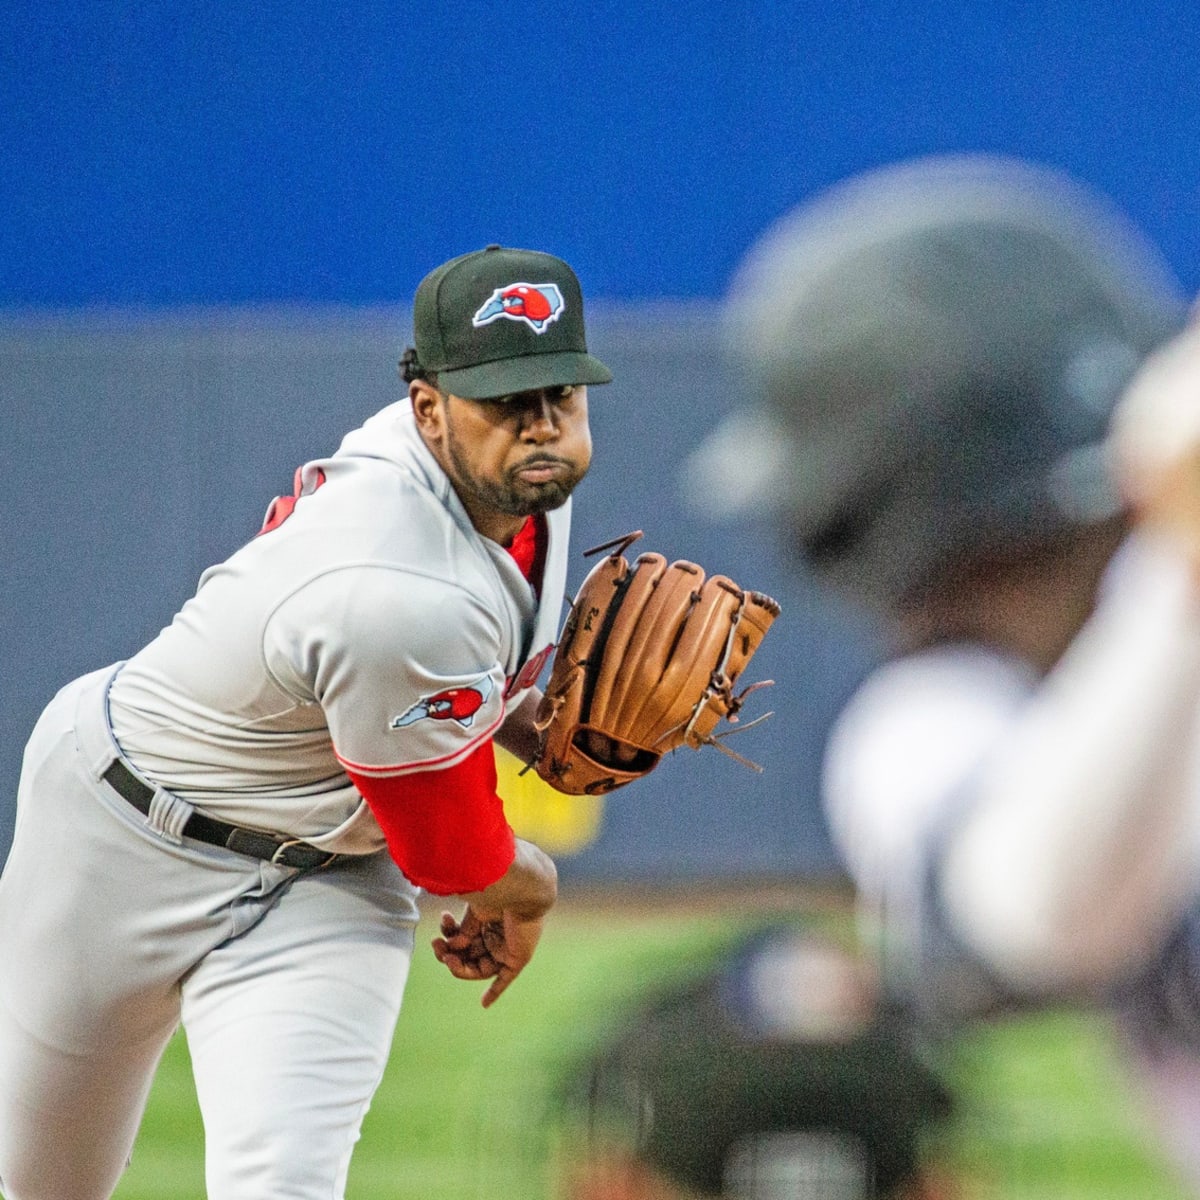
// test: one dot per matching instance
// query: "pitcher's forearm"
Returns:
(517, 735)
(528, 888)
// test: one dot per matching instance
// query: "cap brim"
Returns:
(526, 374)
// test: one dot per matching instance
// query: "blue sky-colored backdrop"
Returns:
(168, 152)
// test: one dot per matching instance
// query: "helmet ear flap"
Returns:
(844, 533)
(836, 538)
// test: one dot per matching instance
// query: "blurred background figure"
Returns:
(938, 348)
(778, 1076)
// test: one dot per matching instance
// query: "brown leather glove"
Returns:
(647, 662)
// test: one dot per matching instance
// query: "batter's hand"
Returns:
(1155, 441)
(495, 948)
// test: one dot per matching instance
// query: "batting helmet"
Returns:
(939, 344)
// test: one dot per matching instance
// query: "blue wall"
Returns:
(170, 152)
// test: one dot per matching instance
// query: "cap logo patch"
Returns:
(452, 704)
(537, 304)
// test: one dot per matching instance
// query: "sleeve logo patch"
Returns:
(452, 704)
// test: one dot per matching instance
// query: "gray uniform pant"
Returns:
(288, 985)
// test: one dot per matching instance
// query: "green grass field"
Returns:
(466, 1108)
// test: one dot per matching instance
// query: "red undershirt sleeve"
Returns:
(446, 828)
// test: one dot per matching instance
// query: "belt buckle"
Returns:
(277, 857)
(281, 849)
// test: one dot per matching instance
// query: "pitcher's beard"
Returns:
(512, 495)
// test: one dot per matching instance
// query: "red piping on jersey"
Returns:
(282, 506)
(425, 764)
(446, 829)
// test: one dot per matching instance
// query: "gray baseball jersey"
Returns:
(369, 627)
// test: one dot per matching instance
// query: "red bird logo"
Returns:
(451, 704)
(537, 304)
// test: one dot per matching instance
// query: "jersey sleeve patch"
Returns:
(458, 704)
(458, 750)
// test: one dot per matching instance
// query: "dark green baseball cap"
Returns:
(499, 320)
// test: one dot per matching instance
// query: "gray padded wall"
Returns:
(143, 448)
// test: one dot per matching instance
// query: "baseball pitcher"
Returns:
(232, 828)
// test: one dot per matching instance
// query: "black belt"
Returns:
(287, 851)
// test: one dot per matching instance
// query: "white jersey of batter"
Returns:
(368, 628)
(1017, 840)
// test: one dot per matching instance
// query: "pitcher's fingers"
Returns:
(504, 977)
(471, 969)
